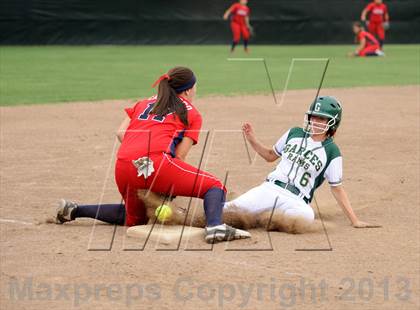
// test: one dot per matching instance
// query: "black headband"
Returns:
(186, 86)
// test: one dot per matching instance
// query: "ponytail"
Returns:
(177, 80)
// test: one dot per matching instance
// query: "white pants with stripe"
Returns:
(268, 195)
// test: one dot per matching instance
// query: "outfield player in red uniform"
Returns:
(378, 19)
(156, 136)
(239, 23)
(368, 45)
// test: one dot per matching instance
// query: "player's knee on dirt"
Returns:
(135, 209)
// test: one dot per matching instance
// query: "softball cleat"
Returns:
(65, 211)
(224, 232)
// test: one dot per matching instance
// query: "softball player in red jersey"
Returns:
(368, 45)
(156, 136)
(239, 23)
(378, 19)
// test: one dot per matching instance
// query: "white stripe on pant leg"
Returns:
(185, 170)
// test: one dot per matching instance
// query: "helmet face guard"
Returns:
(317, 128)
(326, 107)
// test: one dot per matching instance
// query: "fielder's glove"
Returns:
(386, 25)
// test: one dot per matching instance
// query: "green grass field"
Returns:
(63, 73)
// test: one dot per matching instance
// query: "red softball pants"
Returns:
(172, 176)
(377, 29)
(238, 30)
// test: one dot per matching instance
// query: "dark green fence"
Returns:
(192, 21)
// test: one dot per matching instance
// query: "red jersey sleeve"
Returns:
(130, 111)
(233, 8)
(194, 127)
(385, 10)
(369, 7)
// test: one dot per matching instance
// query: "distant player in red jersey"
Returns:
(378, 19)
(368, 45)
(155, 137)
(239, 23)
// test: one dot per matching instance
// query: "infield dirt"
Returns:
(66, 150)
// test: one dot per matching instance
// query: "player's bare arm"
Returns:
(363, 16)
(386, 21)
(123, 127)
(265, 152)
(343, 201)
(361, 46)
(247, 22)
(183, 148)
(358, 48)
(250, 28)
(226, 15)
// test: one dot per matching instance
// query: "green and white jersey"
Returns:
(306, 163)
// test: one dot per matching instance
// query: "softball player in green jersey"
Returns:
(309, 155)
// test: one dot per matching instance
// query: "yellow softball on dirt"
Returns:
(163, 213)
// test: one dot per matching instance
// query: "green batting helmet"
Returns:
(329, 108)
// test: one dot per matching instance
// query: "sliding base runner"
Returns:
(309, 155)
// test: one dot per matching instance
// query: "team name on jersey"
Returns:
(242, 12)
(188, 106)
(378, 11)
(304, 158)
